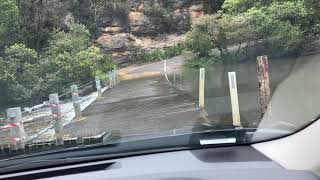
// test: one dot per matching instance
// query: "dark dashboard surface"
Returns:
(229, 163)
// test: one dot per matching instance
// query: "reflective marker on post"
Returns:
(98, 86)
(17, 133)
(234, 99)
(76, 101)
(201, 87)
(56, 114)
(165, 66)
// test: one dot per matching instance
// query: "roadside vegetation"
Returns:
(42, 53)
(158, 54)
(244, 29)
(46, 45)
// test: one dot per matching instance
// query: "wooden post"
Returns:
(76, 102)
(17, 133)
(264, 83)
(98, 86)
(56, 115)
(201, 87)
(234, 99)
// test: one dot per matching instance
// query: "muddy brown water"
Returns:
(151, 106)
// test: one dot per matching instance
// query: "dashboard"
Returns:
(225, 163)
(294, 157)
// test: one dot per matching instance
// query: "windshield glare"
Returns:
(82, 73)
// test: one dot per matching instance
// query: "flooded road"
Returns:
(137, 108)
(152, 106)
(149, 103)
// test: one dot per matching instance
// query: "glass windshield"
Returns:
(92, 72)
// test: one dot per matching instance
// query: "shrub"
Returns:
(70, 58)
(246, 29)
(173, 51)
(158, 54)
(194, 61)
(198, 39)
(156, 11)
(154, 55)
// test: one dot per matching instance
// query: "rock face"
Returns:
(141, 24)
(151, 24)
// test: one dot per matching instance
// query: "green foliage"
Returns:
(240, 6)
(22, 63)
(156, 11)
(70, 58)
(71, 42)
(247, 28)
(40, 18)
(194, 61)
(9, 22)
(158, 54)
(198, 40)
(173, 51)
(19, 72)
(155, 55)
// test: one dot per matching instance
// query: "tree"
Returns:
(277, 29)
(71, 59)
(9, 23)
(198, 40)
(240, 6)
(40, 17)
(22, 62)
(19, 73)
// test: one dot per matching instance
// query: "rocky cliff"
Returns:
(148, 25)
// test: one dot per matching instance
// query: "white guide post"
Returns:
(234, 99)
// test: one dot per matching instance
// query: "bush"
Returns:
(155, 55)
(156, 11)
(248, 28)
(158, 54)
(10, 22)
(19, 72)
(27, 77)
(70, 59)
(194, 61)
(198, 39)
(173, 51)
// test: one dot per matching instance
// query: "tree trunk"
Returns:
(264, 83)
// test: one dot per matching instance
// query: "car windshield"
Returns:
(78, 73)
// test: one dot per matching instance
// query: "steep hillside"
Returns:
(150, 25)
